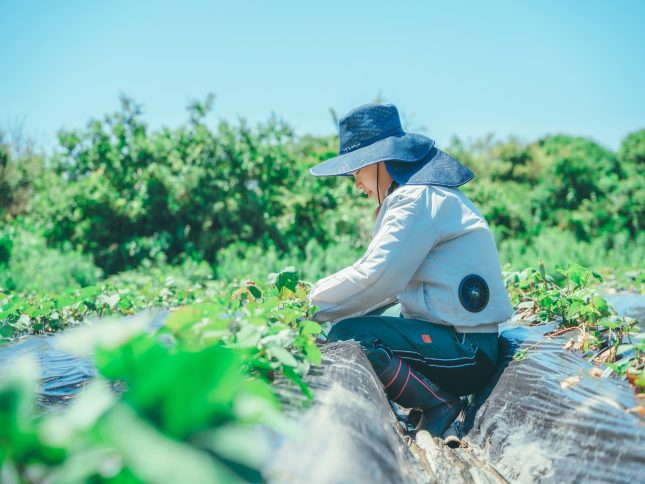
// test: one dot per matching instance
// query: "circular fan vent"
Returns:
(473, 293)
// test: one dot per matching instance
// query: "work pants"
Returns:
(460, 363)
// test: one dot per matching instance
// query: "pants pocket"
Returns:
(462, 375)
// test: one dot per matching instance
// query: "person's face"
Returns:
(365, 180)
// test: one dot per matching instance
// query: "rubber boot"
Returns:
(452, 436)
(411, 389)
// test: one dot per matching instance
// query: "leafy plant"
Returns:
(574, 304)
(196, 390)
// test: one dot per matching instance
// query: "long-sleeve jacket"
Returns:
(426, 240)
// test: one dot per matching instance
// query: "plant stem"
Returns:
(561, 331)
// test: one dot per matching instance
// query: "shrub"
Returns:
(28, 264)
(131, 194)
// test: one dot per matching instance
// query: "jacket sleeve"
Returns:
(403, 240)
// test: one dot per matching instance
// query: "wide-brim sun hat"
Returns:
(372, 133)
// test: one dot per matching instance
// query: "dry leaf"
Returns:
(638, 409)
(569, 382)
(602, 358)
(526, 305)
(531, 319)
(596, 372)
(569, 344)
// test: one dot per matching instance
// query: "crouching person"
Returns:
(432, 254)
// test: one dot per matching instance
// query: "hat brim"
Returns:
(406, 148)
(437, 168)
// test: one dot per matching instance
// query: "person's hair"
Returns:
(393, 186)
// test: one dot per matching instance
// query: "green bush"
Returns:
(26, 264)
(560, 181)
(558, 248)
(21, 169)
(126, 195)
(240, 198)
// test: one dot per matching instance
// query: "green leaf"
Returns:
(191, 314)
(125, 303)
(83, 413)
(247, 337)
(600, 304)
(542, 269)
(153, 457)
(609, 324)
(109, 333)
(293, 376)
(313, 353)
(65, 301)
(23, 323)
(237, 444)
(287, 278)
(108, 300)
(308, 327)
(255, 291)
(283, 356)
(520, 355)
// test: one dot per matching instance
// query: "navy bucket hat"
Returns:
(372, 133)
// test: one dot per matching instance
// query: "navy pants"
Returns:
(460, 363)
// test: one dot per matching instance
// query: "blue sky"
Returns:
(461, 67)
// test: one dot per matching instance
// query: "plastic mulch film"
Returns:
(62, 375)
(543, 418)
(547, 418)
(349, 433)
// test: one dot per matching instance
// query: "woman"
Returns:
(433, 253)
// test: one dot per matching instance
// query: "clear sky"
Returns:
(455, 67)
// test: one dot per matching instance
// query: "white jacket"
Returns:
(425, 241)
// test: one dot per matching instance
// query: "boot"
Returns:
(411, 389)
(452, 435)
